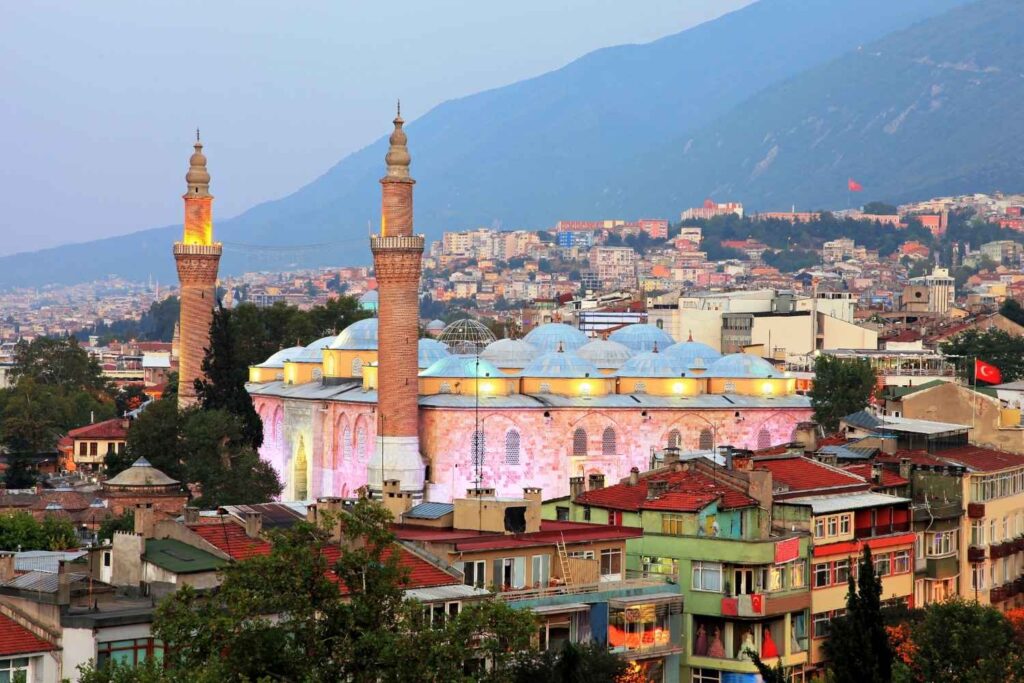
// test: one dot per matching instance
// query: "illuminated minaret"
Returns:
(197, 257)
(397, 253)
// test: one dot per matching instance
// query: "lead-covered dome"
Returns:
(359, 336)
(605, 354)
(462, 367)
(742, 366)
(560, 364)
(510, 353)
(552, 336)
(642, 337)
(430, 351)
(689, 352)
(278, 359)
(314, 353)
(651, 364)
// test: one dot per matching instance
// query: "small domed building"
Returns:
(143, 483)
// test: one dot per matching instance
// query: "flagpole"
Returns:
(974, 397)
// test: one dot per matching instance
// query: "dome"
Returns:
(510, 353)
(278, 359)
(141, 473)
(642, 337)
(742, 365)
(466, 336)
(605, 354)
(462, 366)
(651, 364)
(548, 337)
(688, 352)
(370, 297)
(314, 353)
(560, 364)
(359, 336)
(431, 351)
(435, 325)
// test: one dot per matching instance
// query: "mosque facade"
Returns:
(376, 404)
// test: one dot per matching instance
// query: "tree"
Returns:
(1002, 349)
(130, 397)
(858, 649)
(769, 674)
(20, 530)
(841, 386)
(964, 642)
(153, 435)
(21, 472)
(573, 662)
(111, 525)
(319, 610)
(58, 362)
(222, 386)
(1012, 309)
(880, 209)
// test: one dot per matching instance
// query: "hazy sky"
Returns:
(100, 99)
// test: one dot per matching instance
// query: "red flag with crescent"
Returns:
(986, 372)
(853, 185)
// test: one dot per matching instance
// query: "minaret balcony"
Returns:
(215, 249)
(396, 243)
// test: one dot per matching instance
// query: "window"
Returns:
(978, 533)
(707, 440)
(130, 652)
(819, 528)
(357, 367)
(106, 559)
(675, 439)
(512, 447)
(445, 388)
(510, 573)
(608, 442)
(901, 562)
(821, 575)
(562, 513)
(942, 543)
(472, 572)
(1006, 527)
(346, 444)
(83, 448)
(94, 448)
(361, 442)
(919, 545)
(479, 447)
(796, 574)
(764, 439)
(706, 676)
(672, 524)
(439, 612)
(730, 387)
(776, 578)
(842, 571)
(541, 567)
(821, 623)
(9, 668)
(978, 577)
(582, 554)
(992, 532)
(882, 567)
(545, 387)
(833, 526)
(707, 576)
(579, 441)
(844, 524)
(611, 563)
(640, 388)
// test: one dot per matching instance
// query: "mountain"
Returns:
(927, 111)
(529, 153)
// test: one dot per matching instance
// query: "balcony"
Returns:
(975, 554)
(631, 580)
(863, 532)
(975, 510)
(766, 604)
(998, 550)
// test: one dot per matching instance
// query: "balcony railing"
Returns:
(631, 579)
(881, 530)
(975, 554)
(975, 510)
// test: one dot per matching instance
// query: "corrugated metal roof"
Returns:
(274, 515)
(44, 560)
(429, 511)
(455, 592)
(40, 582)
(854, 501)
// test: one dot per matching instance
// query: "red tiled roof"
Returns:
(803, 474)
(982, 459)
(889, 478)
(230, 538)
(108, 429)
(422, 574)
(550, 533)
(832, 441)
(922, 458)
(687, 491)
(15, 639)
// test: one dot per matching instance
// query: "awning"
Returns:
(565, 608)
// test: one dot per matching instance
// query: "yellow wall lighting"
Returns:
(767, 388)
(585, 388)
(677, 387)
(487, 388)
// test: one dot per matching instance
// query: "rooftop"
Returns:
(687, 491)
(551, 532)
(114, 429)
(887, 423)
(821, 505)
(15, 639)
(979, 459)
(229, 537)
(797, 473)
(888, 477)
(180, 558)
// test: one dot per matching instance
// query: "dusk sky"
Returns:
(101, 99)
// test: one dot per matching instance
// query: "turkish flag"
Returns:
(986, 372)
(854, 186)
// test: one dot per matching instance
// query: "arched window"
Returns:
(361, 442)
(479, 447)
(730, 387)
(707, 439)
(299, 472)
(318, 374)
(446, 388)
(608, 442)
(278, 429)
(357, 367)
(545, 388)
(346, 444)
(640, 388)
(579, 441)
(675, 439)
(512, 447)
(764, 439)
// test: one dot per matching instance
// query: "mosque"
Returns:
(378, 404)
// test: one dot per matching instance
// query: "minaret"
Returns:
(197, 257)
(397, 253)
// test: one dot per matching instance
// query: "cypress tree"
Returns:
(858, 649)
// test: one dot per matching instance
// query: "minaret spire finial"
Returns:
(399, 113)
(197, 134)
(397, 157)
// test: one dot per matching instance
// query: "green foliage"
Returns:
(858, 649)
(791, 260)
(59, 362)
(1012, 310)
(21, 530)
(963, 642)
(880, 209)
(111, 525)
(130, 397)
(769, 674)
(21, 472)
(153, 435)
(156, 324)
(285, 616)
(1002, 349)
(841, 386)
(590, 663)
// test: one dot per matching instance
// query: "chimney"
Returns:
(742, 463)
(144, 521)
(395, 500)
(634, 476)
(532, 493)
(575, 488)
(889, 445)
(253, 522)
(63, 584)
(807, 436)
(656, 488)
(480, 492)
(191, 515)
(876, 474)
(323, 508)
(726, 453)
(905, 468)
(6, 567)
(670, 455)
(596, 482)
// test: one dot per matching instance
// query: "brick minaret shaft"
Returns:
(397, 253)
(197, 257)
